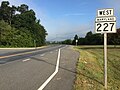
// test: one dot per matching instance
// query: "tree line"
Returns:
(94, 39)
(19, 27)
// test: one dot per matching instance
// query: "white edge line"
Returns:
(55, 72)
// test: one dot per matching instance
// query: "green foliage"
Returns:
(93, 39)
(68, 41)
(20, 30)
(6, 33)
(114, 38)
(22, 8)
(97, 39)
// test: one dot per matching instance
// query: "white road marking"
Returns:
(42, 55)
(51, 52)
(55, 72)
(26, 60)
(63, 47)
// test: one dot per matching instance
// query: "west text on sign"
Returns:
(105, 12)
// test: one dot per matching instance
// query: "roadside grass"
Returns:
(90, 68)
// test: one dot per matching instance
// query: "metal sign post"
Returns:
(105, 22)
(35, 43)
(105, 60)
(76, 42)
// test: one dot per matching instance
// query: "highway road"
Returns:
(50, 68)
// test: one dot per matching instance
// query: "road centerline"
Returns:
(25, 53)
(1, 57)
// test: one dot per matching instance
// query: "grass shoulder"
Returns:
(90, 68)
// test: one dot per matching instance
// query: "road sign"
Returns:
(105, 25)
(105, 12)
(105, 22)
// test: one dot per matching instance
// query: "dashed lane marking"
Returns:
(51, 52)
(42, 55)
(26, 60)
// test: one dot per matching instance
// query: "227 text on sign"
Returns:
(105, 27)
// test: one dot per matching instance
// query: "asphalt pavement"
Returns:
(29, 69)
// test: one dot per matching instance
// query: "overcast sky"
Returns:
(64, 18)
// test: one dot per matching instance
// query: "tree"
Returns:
(5, 11)
(88, 38)
(28, 20)
(67, 41)
(25, 19)
(93, 39)
(6, 33)
(22, 8)
(81, 41)
(114, 38)
(21, 28)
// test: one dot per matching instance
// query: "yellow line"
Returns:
(1, 57)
